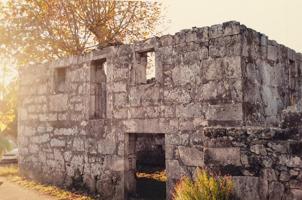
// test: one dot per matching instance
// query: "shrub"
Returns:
(205, 186)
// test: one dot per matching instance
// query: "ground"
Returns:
(14, 187)
(12, 191)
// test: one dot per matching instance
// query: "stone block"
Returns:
(276, 191)
(152, 112)
(65, 131)
(78, 144)
(120, 113)
(222, 156)
(120, 99)
(106, 146)
(272, 53)
(167, 111)
(258, 149)
(185, 74)
(28, 131)
(177, 95)
(217, 51)
(232, 67)
(174, 169)
(119, 87)
(191, 36)
(281, 148)
(43, 138)
(121, 74)
(169, 152)
(145, 126)
(296, 194)
(166, 40)
(115, 163)
(231, 28)
(225, 112)
(216, 31)
(62, 116)
(78, 75)
(76, 162)
(52, 117)
(134, 96)
(191, 156)
(33, 149)
(247, 187)
(220, 91)
(57, 143)
(189, 110)
(180, 37)
(284, 176)
(58, 156)
(150, 95)
(269, 174)
(84, 89)
(203, 53)
(136, 112)
(225, 46)
(177, 139)
(290, 161)
(58, 103)
(168, 125)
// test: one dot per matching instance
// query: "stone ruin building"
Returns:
(223, 97)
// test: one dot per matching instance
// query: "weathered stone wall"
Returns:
(271, 79)
(77, 117)
(265, 162)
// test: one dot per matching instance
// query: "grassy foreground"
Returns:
(12, 174)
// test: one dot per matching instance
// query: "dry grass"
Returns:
(205, 186)
(12, 174)
(158, 175)
(9, 171)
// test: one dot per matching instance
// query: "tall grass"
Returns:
(205, 186)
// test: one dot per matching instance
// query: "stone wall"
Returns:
(218, 96)
(271, 79)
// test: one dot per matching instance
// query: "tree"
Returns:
(41, 30)
(8, 106)
(8, 110)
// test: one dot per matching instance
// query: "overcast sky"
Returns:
(281, 20)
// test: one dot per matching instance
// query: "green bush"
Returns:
(205, 186)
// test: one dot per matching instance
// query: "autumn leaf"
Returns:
(39, 30)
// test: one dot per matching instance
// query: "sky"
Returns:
(280, 20)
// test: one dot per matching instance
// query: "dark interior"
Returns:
(150, 167)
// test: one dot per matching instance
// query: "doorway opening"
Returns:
(146, 175)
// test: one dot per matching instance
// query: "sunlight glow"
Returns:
(8, 72)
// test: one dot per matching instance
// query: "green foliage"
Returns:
(5, 145)
(206, 186)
